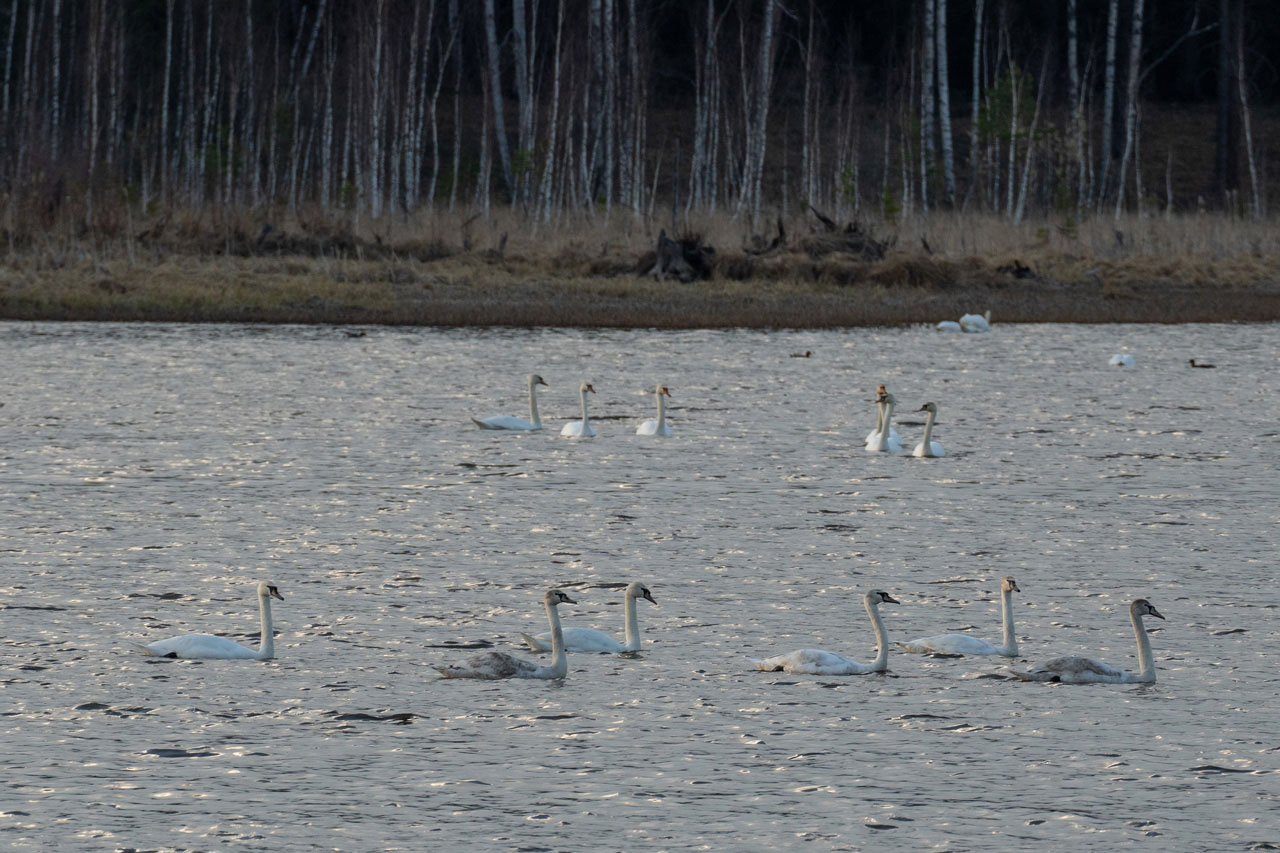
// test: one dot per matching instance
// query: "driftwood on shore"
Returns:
(852, 239)
(687, 259)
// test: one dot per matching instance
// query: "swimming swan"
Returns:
(1081, 670)
(976, 322)
(881, 393)
(511, 421)
(1121, 359)
(927, 447)
(582, 428)
(658, 427)
(885, 439)
(963, 644)
(818, 662)
(591, 640)
(209, 647)
(493, 665)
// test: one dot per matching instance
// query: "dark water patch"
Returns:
(165, 752)
(1227, 631)
(31, 607)
(400, 718)
(1216, 770)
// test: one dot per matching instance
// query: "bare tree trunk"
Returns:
(251, 116)
(1108, 99)
(1031, 144)
(548, 168)
(495, 92)
(55, 90)
(326, 138)
(164, 99)
(455, 24)
(806, 144)
(928, 104)
(976, 95)
(1074, 98)
(5, 127)
(1131, 114)
(1242, 81)
(435, 99)
(757, 133)
(375, 110)
(524, 96)
(944, 109)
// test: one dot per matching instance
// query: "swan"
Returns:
(658, 427)
(885, 439)
(881, 393)
(582, 428)
(591, 640)
(976, 322)
(209, 647)
(948, 326)
(1121, 359)
(818, 662)
(512, 422)
(963, 644)
(1192, 362)
(928, 447)
(493, 665)
(1081, 670)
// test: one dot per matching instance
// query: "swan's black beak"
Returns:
(543, 384)
(275, 593)
(564, 599)
(1154, 612)
(666, 392)
(592, 390)
(889, 598)
(648, 596)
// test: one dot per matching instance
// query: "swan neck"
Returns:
(928, 441)
(267, 645)
(662, 420)
(533, 406)
(583, 394)
(632, 630)
(1010, 639)
(559, 660)
(886, 426)
(882, 650)
(1146, 662)
(879, 416)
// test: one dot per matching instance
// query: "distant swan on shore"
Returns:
(818, 662)
(582, 428)
(512, 422)
(927, 447)
(494, 665)
(963, 644)
(1082, 670)
(659, 426)
(591, 640)
(209, 647)
(976, 322)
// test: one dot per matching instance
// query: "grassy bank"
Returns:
(454, 271)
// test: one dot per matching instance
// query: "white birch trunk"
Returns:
(495, 93)
(1131, 113)
(944, 109)
(548, 168)
(1108, 98)
(976, 95)
(928, 103)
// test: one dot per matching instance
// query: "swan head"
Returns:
(639, 590)
(881, 390)
(878, 597)
(267, 589)
(930, 407)
(1142, 607)
(535, 379)
(585, 387)
(555, 596)
(662, 391)
(1008, 584)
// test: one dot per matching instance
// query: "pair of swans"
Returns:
(209, 647)
(885, 439)
(573, 429)
(968, 323)
(496, 665)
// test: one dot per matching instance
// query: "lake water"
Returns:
(150, 474)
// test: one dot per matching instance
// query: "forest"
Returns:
(1013, 107)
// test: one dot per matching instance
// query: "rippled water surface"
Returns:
(149, 475)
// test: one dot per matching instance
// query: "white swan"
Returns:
(582, 428)
(948, 326)
(1081, 670)
(658, 427)
(1121, 359)
(963, 644)
(591, 640)
(927, 447)
(818, 662)
(209, 647)
(881, 393)
(493, 665)
(976, 322)
(511, 421)
(885, 439)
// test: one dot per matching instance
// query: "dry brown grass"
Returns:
(461, 269)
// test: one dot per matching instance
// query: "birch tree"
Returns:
(1108, 98)
(944, 109)
(1131, 111)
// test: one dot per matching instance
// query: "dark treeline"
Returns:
(370, 108)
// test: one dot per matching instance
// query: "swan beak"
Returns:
(1153, 612)
(1013, 585)
(543, 384)
(592, 390)
(564, 599)
(889, 598)
(648, 596)
(275, 593)
(665, 391)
